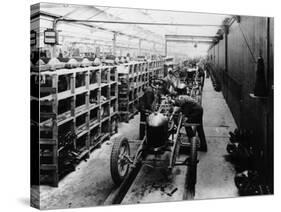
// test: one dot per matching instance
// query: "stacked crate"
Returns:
(78, 110)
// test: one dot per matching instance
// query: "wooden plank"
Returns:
(82, 132)
(81, 110)
(105, 119)
(107, 101)
(64, 117)
(63, 121)
(94, 86)
(80, 90)
(46, 98)
(48, 167)
(83, 154)
(64, 95)
(47, 115)
(94, 124)
(104, 84)
(47, 141)
(93, 106)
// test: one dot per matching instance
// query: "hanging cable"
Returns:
(247, 43)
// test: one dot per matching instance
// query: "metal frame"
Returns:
(142, 149)
(188, 39)
(183, 37)
(139, 23)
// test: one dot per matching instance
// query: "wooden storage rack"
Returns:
(133, 79)
(82, 101)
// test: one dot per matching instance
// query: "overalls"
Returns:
(194, 112)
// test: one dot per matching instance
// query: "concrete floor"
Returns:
(91, 183)
(215, 176)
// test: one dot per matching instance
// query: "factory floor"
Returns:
(91, 183)
(215, 176)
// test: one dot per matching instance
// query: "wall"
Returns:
(236, 68)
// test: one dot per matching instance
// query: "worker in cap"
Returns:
(194, 113)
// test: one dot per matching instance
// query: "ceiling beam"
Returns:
(188, 41)
(98, 13)
(70, 13)
(140, 23)
(190, 37)
(192, 40)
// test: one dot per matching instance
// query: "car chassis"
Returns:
(121, 163)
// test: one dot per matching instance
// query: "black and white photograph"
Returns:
(134, 105)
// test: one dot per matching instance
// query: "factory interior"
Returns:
(134, 106)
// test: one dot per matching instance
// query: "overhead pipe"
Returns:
(114, 43)
(140, 23)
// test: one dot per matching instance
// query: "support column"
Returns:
(114, 43)
(154, 47)
(53, 52)
(139, 50)
(166, 48)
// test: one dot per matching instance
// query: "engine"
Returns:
(157, 130)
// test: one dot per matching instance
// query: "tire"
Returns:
(119, 171)
(192, 168)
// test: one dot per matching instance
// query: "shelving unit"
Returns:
(81, 103)
(133, 78)
(80, 107)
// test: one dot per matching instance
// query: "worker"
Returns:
(170, 82)
(201, 75)
(146, 104)
(190, 75)
(194, 113)
(207, 68)
(150, 101)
